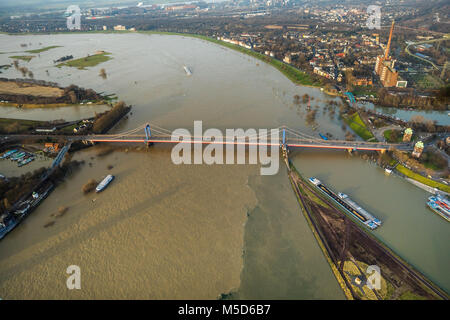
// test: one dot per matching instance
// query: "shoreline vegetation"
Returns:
(48, 105)
(19, 125)
(105, 121)
(424, 180)
(24, 58)
(42, 49)
(86, 62)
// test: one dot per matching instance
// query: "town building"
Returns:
(407, 135)
(418, 149)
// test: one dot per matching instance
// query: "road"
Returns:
(446, 37)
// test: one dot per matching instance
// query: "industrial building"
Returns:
(384, 66)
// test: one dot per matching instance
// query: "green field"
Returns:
(387, 134)
(88, 61)
(24, 58)
(410, 174)
(42, 49)
(358, 126)
(18, 125)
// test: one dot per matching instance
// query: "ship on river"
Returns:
(188, 71)
(358, 208)
(440, 205)
(102, 185)
(348, 205)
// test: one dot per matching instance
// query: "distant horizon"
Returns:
(61, 4)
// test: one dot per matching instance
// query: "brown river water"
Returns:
(196, 231)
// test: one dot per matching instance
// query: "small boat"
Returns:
(17, 156)
(440, 205)
(8, 154)
(21, 157)
(323, 137)
(25, 162)
(388, 171)
(105, 182)
(188, 71)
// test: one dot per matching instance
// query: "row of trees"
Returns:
(13, 189)
(409, 99)
(106, 120)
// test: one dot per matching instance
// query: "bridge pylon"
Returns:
(148, 134)
(284, 149)
(284, 138)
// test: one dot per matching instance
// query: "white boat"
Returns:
(188, 71)
(102, 185)
(388, 171)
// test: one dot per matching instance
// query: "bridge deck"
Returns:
(306, 143)
(290, 142)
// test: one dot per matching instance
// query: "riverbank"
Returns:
(424, 180)
(46, 105)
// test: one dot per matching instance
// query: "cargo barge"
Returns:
(348, 205)
(440, 205)
(102, 185)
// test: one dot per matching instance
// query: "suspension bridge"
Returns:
(286, 137)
